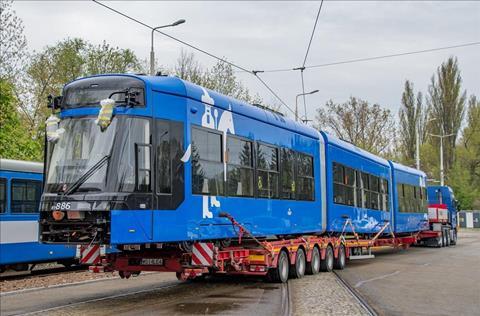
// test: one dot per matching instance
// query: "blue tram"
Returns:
(20, 191)
(173, 156)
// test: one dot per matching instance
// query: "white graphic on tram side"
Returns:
(224, 123)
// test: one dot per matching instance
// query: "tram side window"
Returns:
(344, 185)
(164, 162)
(359, 188)
(3, 195)
(288, 173)
(207, 162)
(239, 167)
(366, 193)
(267, 171)
(25, 196)
(374, 189)
(401, 198)
(384, 194)
(305, 180)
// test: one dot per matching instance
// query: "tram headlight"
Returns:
(58, 215)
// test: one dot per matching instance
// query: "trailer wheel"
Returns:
(297, 271)
(339, 262)
(453, 241)
(313, 267)
(280, 273)
(447, 237)
(326, 265)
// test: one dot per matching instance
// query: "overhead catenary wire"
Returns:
(357, 60)
(253, 72)
(302, 69)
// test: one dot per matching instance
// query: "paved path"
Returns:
(421, 281)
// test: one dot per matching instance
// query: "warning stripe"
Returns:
(202, 254)
(90, 255)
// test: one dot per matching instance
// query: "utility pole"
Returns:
(442, 173)
(152, 52)
(417, 141)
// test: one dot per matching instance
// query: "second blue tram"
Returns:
(175, 155)
(20, 191)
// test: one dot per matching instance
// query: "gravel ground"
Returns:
(49, 280)
(323, 294)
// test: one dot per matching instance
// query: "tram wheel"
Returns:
(339, 262)
(326, 265)
(313, 267)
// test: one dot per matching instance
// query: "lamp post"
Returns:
(296, 102)
(152, 52)
(442, 176)
(417, 141)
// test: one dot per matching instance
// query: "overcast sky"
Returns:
(271, 35)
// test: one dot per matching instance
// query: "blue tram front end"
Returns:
(170, 159)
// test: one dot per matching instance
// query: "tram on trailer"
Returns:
(20, 192)
(172, 165)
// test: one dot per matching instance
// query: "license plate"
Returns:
(151, 262)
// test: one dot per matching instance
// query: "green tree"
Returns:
(412, 117)
(465, 174)
(14, 142)
(370, 127)
(447, 102)
(13, 43)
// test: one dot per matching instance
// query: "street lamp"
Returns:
(296, 103)
(442, 177)
(417, 141)
(152, 53)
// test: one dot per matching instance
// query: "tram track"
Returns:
(22, 275)
(366, 306)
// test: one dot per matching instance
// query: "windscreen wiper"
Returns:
(87, 175)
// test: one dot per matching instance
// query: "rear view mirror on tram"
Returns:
(54, 102)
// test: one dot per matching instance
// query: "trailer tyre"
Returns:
(326, 265)
(339, 262)
(313, 267)
(280, 273)
(447, 237)
(454, 237)
(297, 271)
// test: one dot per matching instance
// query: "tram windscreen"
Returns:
(90, 91)
(80, 147)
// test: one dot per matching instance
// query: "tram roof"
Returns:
(176, 86)
(21, 166)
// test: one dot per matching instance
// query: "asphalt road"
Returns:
(152, 294)
(421, 281)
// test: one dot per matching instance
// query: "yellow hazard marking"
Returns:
(256, 257)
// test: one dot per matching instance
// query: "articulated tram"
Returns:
(155, 160)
